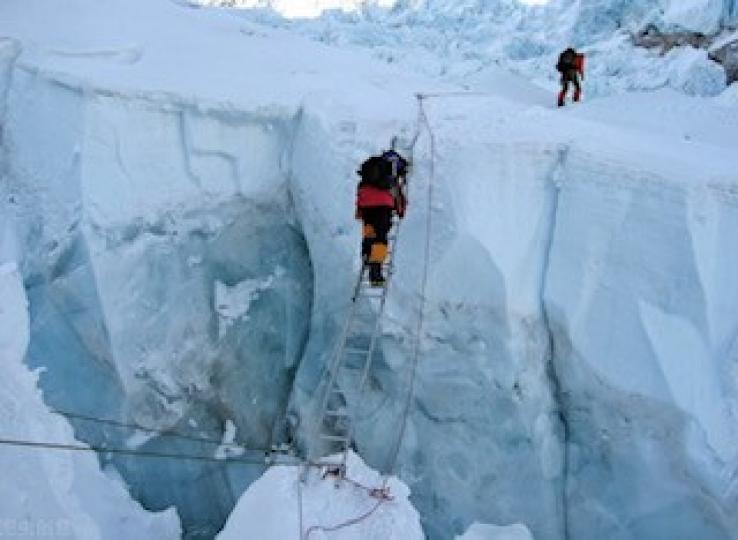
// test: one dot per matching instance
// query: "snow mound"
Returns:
(47, 492)
(270, 508)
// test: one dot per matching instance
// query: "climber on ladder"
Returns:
(380, 195)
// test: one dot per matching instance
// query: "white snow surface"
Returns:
(54, 493)
(580, 337)
(271, 508)
(232, 303)
(483, 531)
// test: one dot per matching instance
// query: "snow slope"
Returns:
(275, 507)
(188, 248)
(57, 494)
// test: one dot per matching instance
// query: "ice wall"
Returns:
(188, 251)
(482, 419)
(57, 493)
(644, 348)
(561, 239)
(128, 233)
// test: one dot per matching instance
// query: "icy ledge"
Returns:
(54, 493)
(289, 502)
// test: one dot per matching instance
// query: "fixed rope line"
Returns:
(365, 371)
(162, 433)
(379, 493)
(422, 120)
(459, 93)
(423, 116)
(392, 463)
(130, 452)
(302, 474)
(344, 524)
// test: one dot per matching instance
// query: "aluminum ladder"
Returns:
(334, 423)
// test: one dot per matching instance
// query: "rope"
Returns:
(382, 313)
(344, 524)
(392, 462)
(423, 117)
(126, 451)
(461, 93)
(299, 500)
(162, 433)
(382, 493)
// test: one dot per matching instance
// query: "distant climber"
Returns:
(380, 194)
(571, 67)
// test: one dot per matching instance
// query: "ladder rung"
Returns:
(336, 438)
(378, 292)
(351, 350)
(336, 414)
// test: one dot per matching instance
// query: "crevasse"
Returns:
(579, 353)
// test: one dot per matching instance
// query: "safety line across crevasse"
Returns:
(127, 451)
(423, 116)
(173, 434)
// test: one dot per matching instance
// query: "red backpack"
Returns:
(579, 63)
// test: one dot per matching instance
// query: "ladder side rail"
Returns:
(335, 364)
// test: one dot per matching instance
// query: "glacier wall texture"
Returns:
(137, 217)
(189, 263)
(54, 494)
(482, 418)
(645, 352)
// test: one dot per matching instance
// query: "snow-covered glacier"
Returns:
(459, 40)
(177, 192)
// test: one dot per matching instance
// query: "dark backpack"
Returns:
(567, 60)
(376, 171)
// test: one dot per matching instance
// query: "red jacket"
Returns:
(370, 196)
